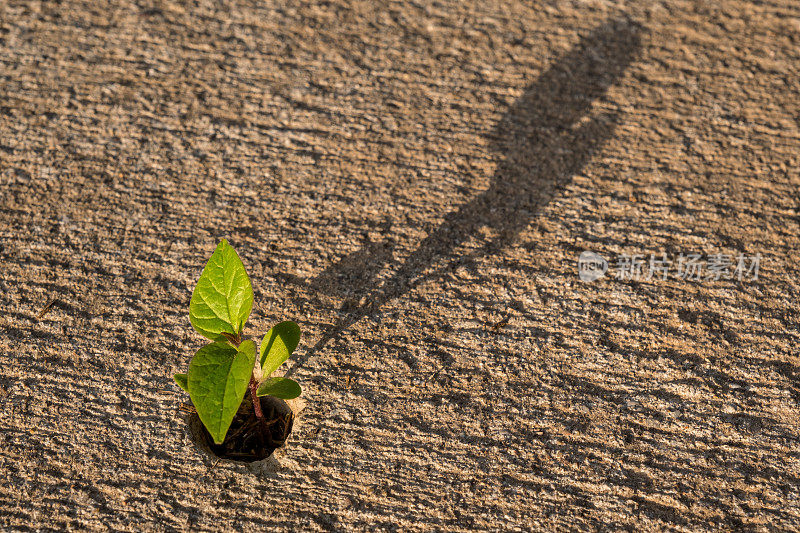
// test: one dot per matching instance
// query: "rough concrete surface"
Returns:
(412, 182)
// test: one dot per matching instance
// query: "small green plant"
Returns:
(221, 372)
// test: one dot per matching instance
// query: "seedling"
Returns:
(221, 372)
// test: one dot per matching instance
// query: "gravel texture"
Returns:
(412, 182)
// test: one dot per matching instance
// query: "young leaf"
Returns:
(181, 380)
(283, 388)
(277, 345)
(218, 379)
(249, 348)
(223, 298)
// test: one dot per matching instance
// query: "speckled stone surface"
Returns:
(412, 182)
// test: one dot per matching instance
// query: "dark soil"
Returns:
(250, 439)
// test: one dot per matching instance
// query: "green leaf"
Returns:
(182, 380)
(277, 345)
(249, 348)
(223, 298)
(283, 388)
(218, 379)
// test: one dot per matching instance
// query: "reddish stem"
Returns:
(256, 402)
(262, 422)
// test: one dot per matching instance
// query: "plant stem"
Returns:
(253, 386)
(262, 422)
(236, 339)
(256, 402)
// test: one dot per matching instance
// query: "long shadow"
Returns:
(545, 137)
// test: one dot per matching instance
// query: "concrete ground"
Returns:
(413, 183)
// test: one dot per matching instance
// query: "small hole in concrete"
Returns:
(248, 440)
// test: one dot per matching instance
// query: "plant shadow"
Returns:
(547, 136)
